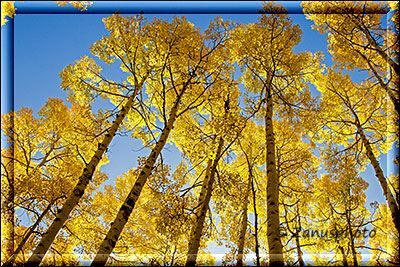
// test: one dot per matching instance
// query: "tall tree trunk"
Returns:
(345, 263)
(126, 209)
(253, 190)
(352, 247)
(394, 209)
(63, 214)
(7, 202)
(274, 241)
(298, 245)
(298, 249)
(199, 208)
(243, 227)
(30, 232)
(204, 185)
(173, 256)
(196, 233)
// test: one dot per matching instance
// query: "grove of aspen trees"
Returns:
(273, 145)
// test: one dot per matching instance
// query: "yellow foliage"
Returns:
(7, 10)
(82, 5)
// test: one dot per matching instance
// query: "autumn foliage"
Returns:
(274, 144)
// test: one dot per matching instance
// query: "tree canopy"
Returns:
(273, 143)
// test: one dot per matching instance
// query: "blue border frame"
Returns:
(156, 7)
(7, 67)
(110, 7)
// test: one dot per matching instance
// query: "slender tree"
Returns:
(79, 189)
(83, 81)
(49, 151)
(357, 38)
(204, 200)
(341, 207)
(7, 202)
(358, 121)
(264, 50)
(187, 68)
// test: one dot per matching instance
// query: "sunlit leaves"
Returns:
(385, 244)
(7, 10)
(82, 5)
(81, 80)
(173, 66)
(345, 104)
(126, 42)
(49, 153)
(342, 20)
(357, 39)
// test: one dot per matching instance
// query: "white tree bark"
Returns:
(394, 209)
(274, 240)
(77, 193)
(196, 233)
(126, 209)
(243, 227)
(30, 232)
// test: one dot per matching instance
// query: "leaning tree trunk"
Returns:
(394, 209)
(203, 189)
(77, 193)
(389, 91)
(30, 232)
(274, 241)
(394, 65)
(195, 236)
(243, 227)
(203, 192)
(126, 209)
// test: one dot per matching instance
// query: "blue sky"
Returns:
(45, 43)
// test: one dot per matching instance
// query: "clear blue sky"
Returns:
(45, 43)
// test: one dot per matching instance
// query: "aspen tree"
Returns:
(264, 50)
(194, 241)
(357, 38)
(49, 151)
(80, 187)
(226, 126)
(84, 82)
(185, 67)
(355, 108)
